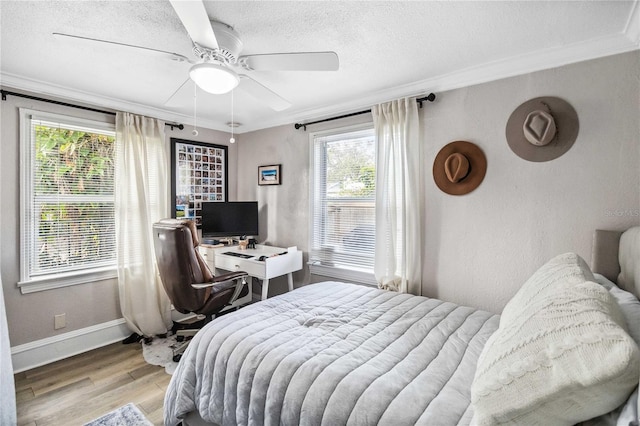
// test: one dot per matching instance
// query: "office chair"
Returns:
(187, 279)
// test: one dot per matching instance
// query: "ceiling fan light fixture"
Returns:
(214, 78)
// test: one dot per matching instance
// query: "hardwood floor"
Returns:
(76, 390)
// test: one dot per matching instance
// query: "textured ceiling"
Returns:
(387, 49)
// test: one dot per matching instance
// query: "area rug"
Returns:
(160, 352)
(127, 415)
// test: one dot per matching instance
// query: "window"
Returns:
(343, 204)
(67, 223)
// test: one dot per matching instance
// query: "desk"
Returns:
(279, 261)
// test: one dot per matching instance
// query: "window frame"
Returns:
(343, 272)
(28, 283)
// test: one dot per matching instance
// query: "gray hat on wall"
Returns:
(542, 129)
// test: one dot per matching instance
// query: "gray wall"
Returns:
(481, 247)
(284, 209)
(30, 316)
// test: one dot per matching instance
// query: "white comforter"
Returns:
(333, 354)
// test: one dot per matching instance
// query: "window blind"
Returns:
(68, 221)
(343, 199)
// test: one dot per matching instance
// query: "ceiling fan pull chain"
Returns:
(232, 140)
(195, 110)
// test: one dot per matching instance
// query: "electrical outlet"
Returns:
(59, 321)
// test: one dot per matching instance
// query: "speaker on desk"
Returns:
(252, 243)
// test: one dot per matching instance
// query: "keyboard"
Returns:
(233, 253)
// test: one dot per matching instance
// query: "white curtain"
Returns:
(7, 387)
(399, 195)
(142, 187)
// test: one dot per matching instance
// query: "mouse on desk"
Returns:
(262, 258)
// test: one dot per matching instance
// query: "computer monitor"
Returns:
(229, 219)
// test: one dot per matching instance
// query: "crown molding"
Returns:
(632, 30)
(627, 40)
(99, 101)
(491, 71)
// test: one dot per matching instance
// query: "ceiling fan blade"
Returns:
(263, 94)
(304, 61)
(196, 21)
(170, 99)
(173, 56)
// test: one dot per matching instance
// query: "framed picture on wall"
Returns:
(198, 174)
(269, 175)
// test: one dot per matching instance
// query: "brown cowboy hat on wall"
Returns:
(542, 129)
(459, 168)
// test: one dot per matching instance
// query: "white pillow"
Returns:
(630, 307)
(629, 257)
(628, 303)
(629, 411)
(621, 416)
(561, 354)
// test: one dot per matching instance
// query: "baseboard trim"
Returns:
(45, 351)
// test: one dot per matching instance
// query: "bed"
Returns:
(335, 353)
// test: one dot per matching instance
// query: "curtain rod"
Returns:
(36, 98)
(430, 97)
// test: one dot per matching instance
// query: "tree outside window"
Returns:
(343, 202)
(68, 222)
(73, 191)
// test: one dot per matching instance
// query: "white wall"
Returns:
(30, 316)
(481, 247)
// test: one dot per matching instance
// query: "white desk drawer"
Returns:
(278, 261)
(230, 263)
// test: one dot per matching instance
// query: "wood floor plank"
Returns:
(78, 390)
(62, 402)
(156, 417)
(127, 365)
(34, 408)
(153, 402)
(57, 378)
(94, 407)
(24, 395)
(77, 361)
(144, 370)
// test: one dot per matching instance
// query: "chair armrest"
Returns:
(221, 279)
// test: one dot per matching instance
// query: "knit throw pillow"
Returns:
(561, 354)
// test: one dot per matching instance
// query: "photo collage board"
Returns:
(199, 175)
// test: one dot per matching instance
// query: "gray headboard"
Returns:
(604, 257)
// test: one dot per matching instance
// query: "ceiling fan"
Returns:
(218, 46)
